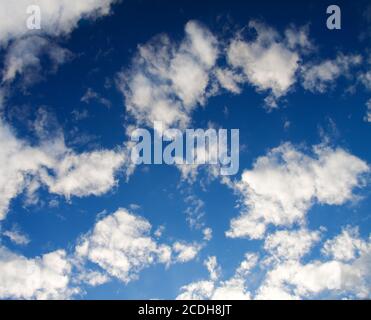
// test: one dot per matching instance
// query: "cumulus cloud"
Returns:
(319, 77)
(283, 185)
(167, 80)
(122, 245)
(45, 277)
(91, 173)
(269, 62)
(64, 172)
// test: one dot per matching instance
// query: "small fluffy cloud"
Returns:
(64, 172)
(16, 236)
(186, 252)
(122, 245)
(284, 184)
(269, 62)
(84, 174)
(167, 80)
(45, 277)
(319, 77)
(208, 234)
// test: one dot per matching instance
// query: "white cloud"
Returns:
(168, 80)
(269, 62)
(215, 289)
(318, 77)
(286, 244)
(17, 161)
(45, 277)
(64, 172)
(16, 236)
(122, 245)
(84, 174)
(208, 234)
(185, 251)
(345, 275)
(92, 278)
(230, 80)
(280, 274)
(58, 17)
(24, 57)
(298, 38)
(284, 184)
(346, 246)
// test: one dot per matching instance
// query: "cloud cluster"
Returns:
(283, 185)
(336, 278)
(167, 80)
(281, 275)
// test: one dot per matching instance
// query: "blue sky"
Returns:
(79, 222)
